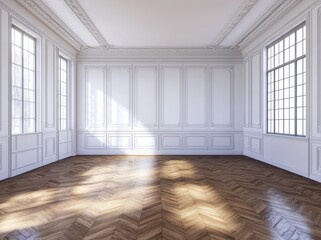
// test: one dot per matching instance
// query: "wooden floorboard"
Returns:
(160, 197)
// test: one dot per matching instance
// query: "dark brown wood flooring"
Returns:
(160, 197)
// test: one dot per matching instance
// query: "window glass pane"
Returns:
(23, 82)
(63, 92)
(286, 85)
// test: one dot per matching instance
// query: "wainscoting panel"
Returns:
(49, 147)
(95, 98)
(26, 152)
(222, 90)
(171, 142)
(164, 108)
(145, 108)
(222, 141)
(315, 166)
(256, 91)
(196, 97)
(4, 156)
(65, 143)
(171, 97)
(147, 143)
(253, 145)
(49, 85)
(120, 97)
(120, 142)
(196, 141)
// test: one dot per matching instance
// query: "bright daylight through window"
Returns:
(23, 48)
(63, 93)
(286, 84)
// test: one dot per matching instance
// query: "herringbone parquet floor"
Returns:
(160, 197)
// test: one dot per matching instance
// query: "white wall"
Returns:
(24, 152)
(299, 155)
(159, 108)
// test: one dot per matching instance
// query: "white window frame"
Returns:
(22, 87)
(279, 89)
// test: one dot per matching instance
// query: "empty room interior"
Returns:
(160, 119)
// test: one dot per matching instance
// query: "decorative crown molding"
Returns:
(279, 9)
(235, 21)
(38, 7)
(159, 51)
(150, 54)
(85, 19)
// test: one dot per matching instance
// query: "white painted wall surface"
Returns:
(161, 108)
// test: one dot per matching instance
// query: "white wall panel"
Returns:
(162, 115)
(95, 141)
(63, 136)
(63, 149)
(287, 152)
(119, 97)
(146, 97)
(253, 145)
(49, 92)
(26, 142)
(196, 142)
(171, 142)
(316, 161)
(171, 97)
(95, 89)
(222, 142)
(222, 98)
(49, 147)
(4, 167)
(120, 141)
(27, 158)
(256, 91)
(246, 93)
(196, 97)
(146, 141)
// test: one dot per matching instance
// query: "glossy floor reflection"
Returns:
(160, 197)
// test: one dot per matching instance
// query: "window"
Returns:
(23, 48)
(63, 93)
(286, 84)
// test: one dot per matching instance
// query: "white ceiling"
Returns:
(165, 23)
(156, 23)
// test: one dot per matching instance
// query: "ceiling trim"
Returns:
(158, 51)
(183, 54)
(88, 23)
(48, 16)
(235, 21)
(279, 9)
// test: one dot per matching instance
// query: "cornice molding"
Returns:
(279, 9)
(228, 54)
(201, 50)
(38, 7)
(85, 19)
(246, 8)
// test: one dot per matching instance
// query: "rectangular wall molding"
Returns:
(222, 92)
(171, 142)
(222, 142)
(256, 91)
(120, 97)
(120, 142)
(171, 97)
(196, 97)
(95, 97)
(161, 107)
(146, 97)
(50, 87)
